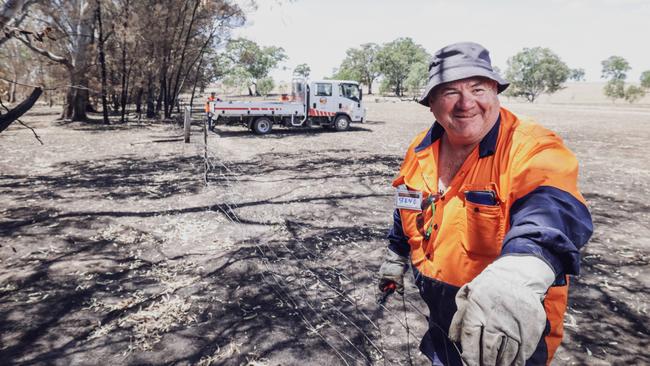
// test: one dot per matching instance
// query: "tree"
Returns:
(71, 50)
(248, 58)
(302, 70)
(360, 64)
(148, 49)
(395, 59)
(12, 14)
(9, 10)
(614, 89)
(15, 60)
(417, 78)
(265, 85)
(534, 71)
(102, 60)
(615, 67)
(645, 79)
(577, 74)
(633, 93)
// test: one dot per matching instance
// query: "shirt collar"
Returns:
(486, 147)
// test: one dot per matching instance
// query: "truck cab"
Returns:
(333, 98)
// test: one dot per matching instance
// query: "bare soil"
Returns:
(114, 249)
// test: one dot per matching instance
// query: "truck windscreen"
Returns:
(350, 91)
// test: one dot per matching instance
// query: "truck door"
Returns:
(323, 101)
(350, 100)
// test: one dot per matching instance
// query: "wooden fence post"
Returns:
(187, 123)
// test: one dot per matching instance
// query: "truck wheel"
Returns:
(262, 126)
(342, 123)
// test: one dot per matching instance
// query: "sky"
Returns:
(581, 32)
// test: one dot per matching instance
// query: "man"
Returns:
(208, 112)
(490, 216)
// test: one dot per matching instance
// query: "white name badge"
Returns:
(409, 200)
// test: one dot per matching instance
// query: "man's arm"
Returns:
(551, 224)
(391, 272)
(397, 240)
(500, 313)
(548, 217)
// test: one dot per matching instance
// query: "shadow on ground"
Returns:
(607, 316)
(279, 132)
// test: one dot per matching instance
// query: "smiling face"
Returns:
(467, 109)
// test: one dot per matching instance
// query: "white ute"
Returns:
(327, 103)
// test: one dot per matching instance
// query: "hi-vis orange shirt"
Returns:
(516, 193)
(207, 103)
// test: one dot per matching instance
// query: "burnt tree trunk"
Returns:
(151, 108)
(125, 76)
(76, 99)
(138, 101)
(77, 96)
(102, 63)
(175, 90)
(196, 79)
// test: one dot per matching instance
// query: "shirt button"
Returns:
(435, 226)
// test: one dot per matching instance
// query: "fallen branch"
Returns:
(20, 109)
(36, 136)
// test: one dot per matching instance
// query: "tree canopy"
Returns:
(577, 74)
(248, 60)
(302, 70)
(615, 67)
(417, 78)
(395, 59)
(614, 89)
(360, 64)
(633, 93)
(147, 50)
(645, 79)
(534, 71)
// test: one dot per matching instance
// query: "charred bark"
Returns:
(175, 90)
(138, 101)
(102, 63)
(124, 93)
(151, 108)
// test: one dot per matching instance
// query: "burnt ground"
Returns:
(115, 250)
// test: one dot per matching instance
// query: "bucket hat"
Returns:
(460, 61)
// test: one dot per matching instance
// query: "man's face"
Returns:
(467, 109)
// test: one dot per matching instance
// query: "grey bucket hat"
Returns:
(460, 61)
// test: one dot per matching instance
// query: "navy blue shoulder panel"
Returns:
(551, 224)
(398, 241)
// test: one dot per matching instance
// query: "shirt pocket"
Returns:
(484, 224)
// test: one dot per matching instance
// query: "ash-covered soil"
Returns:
(115, 250)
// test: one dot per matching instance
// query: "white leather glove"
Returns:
(392, 271)
(500, 317)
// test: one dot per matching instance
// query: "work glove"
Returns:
(500, 317)
(392, 271)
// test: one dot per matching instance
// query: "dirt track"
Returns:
(114, 251)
